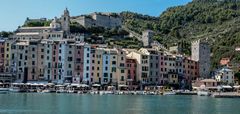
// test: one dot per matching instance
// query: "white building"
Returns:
(225, 76)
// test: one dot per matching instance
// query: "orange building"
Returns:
(225, 61)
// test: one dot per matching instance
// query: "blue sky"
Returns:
(14, 12)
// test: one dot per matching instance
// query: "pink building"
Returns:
(132, 67)
(2, 56)
(55, 58)
(190, 70)
(78, 66)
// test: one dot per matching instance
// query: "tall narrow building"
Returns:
(65, 22)
(201, 53)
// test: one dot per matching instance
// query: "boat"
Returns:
(46, 91)
(203, 93)
(3, 88)
(169, 93)
(14, 89)
(61, 90)
(17, 87)
(70, 91)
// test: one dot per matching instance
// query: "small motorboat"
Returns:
(15, 89)
(203, 93)
(169, 93)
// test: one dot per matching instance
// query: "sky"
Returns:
(14, 12)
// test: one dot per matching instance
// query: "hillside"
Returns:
(216, 20)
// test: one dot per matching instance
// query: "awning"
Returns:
(82, 85)
(96, 85)
(18, 84)
(195, 87)
(212, 87)
(122, 86)
(50, 84)
(74, 85)
(237, 87)
(59, 85)
(227, 87)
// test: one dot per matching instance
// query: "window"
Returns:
(87, 75)
(122, 71)
(19, 63)
(106, 68)
(70, 58)
(20, 56)
(49, 65)
(33, 70)
(19, 76)
(33, 49)
(122, 78)
(121, 64)
(114, 69)
(105, 75)
(33, 62)
(114, 62)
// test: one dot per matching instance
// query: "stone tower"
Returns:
(65, 22)
(147, 37)
(201, 53)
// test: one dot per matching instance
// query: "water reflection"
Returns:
(110, 104)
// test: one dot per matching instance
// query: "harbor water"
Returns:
(39, 103)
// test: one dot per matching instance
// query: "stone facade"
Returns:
(201, 54)
(147, 38)
(106, 20)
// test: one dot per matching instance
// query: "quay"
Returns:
(226, 95)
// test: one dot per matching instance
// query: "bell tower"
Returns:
(65, 22)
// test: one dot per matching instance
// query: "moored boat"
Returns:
(203, 93)
(169, 93)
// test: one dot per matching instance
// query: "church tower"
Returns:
(65, 22)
